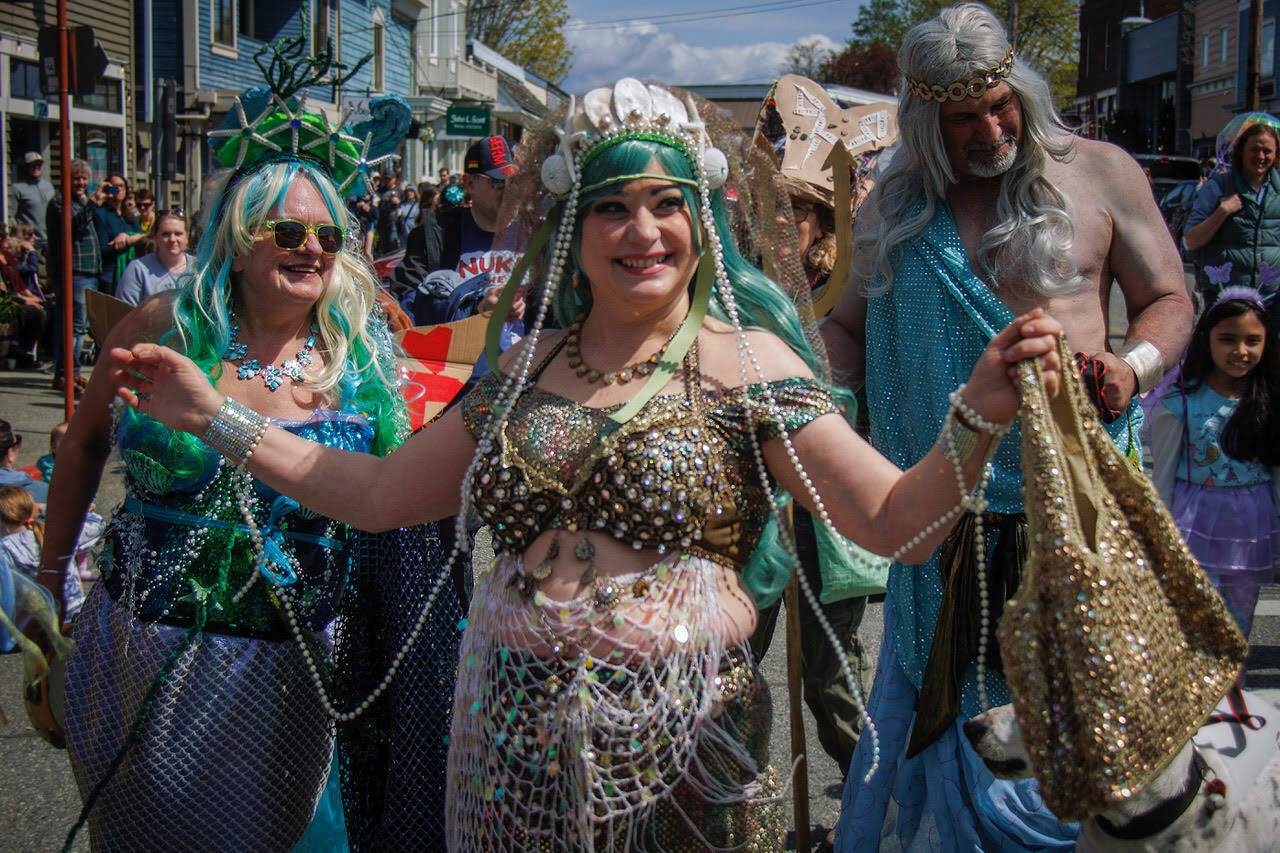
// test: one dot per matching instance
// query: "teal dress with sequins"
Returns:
(924, 334)
(235, 746)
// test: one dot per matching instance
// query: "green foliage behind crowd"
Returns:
(1048, 38)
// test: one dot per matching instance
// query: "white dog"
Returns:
(1222, 792)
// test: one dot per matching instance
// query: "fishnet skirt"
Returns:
(392, 757)
(233, 755)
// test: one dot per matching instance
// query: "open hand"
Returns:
(165, 385)
(992, 390)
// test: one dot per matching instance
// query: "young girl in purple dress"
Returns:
(1215, 448)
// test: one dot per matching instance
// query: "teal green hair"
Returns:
(359, 374)
(761, 304)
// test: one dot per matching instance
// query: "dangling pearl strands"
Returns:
(745, 353)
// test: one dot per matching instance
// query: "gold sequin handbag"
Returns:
(1116, 646)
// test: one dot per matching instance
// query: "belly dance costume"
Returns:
(191, 716)
(629, 717)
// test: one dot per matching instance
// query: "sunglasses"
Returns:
(290, 234)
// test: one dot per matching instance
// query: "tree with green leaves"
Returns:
(528, 32)
(806, 58)
(1048, 35)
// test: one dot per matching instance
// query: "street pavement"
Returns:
(38, 799)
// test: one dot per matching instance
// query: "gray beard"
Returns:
(993, 166)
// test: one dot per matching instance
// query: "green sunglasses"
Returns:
(290, 234)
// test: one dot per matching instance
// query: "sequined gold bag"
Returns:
(1116, 646)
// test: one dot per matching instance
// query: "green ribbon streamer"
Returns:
(676, 350)
(680, 343)
(494, 330)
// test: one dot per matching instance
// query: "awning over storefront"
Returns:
(516, 104)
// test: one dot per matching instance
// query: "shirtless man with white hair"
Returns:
(989, 209)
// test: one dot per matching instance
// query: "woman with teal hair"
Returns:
(233, 629)
(629, 467)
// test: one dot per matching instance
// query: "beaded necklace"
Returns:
(585, 371)
(273, 377)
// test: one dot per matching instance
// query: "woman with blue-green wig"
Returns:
(630, 468)
(235, 631)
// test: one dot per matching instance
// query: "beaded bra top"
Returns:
(680, 474)
(179, 536)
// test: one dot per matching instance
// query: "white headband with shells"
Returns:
(629, 109)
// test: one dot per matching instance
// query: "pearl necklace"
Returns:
(273, 377)
(623, 376)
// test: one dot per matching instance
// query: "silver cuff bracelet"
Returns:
(1146, 361)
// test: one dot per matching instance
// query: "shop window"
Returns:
(223, 22)
(105, 97)
(101, 147)
(24, 79)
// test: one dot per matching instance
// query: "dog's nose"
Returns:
(974, 729)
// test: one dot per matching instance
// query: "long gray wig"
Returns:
(1033, 225)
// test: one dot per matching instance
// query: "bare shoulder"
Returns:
(1108, 169)
(720, 361)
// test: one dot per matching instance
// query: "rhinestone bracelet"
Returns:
(235, 431)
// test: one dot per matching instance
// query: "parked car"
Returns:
(1176, 205)
(1167, 171)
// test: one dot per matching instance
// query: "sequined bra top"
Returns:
(680, 474)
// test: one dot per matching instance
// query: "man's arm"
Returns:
(844, 329)
(1146, 265)
(845, 335)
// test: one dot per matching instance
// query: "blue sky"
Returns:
(732, 47)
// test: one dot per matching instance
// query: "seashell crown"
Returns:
(629, 109)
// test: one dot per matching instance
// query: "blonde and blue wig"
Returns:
(359, 369)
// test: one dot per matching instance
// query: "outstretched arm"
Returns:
(883, 509)
(84, 450)
(420, 481)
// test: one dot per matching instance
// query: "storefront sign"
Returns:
(466, 121)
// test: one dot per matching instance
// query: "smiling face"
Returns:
(1258, 154)
(981, 135)
(171, 239)
(637, 244)
(1236, 345)
(288, 277)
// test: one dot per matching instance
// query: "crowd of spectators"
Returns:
(121, 245)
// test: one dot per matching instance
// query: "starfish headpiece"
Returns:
(271, 123)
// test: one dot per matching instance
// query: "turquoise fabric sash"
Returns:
(924, 334)
(273, 537)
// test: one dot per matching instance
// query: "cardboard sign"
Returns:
(104, 312)
(438, 362)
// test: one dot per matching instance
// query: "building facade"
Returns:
(1214, 98)
(102, 124)
(419, 52)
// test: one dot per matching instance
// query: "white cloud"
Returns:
(644, 50)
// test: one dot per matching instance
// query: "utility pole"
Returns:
(1253, 76)
(64, 116)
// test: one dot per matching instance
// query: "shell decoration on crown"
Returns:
(629, 109)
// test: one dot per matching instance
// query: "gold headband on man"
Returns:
(958, 91)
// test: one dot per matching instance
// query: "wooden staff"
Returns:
(799, 758)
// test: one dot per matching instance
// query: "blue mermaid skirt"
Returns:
(235, 751)
(943, 799)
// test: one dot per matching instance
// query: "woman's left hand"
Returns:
(992, 389)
